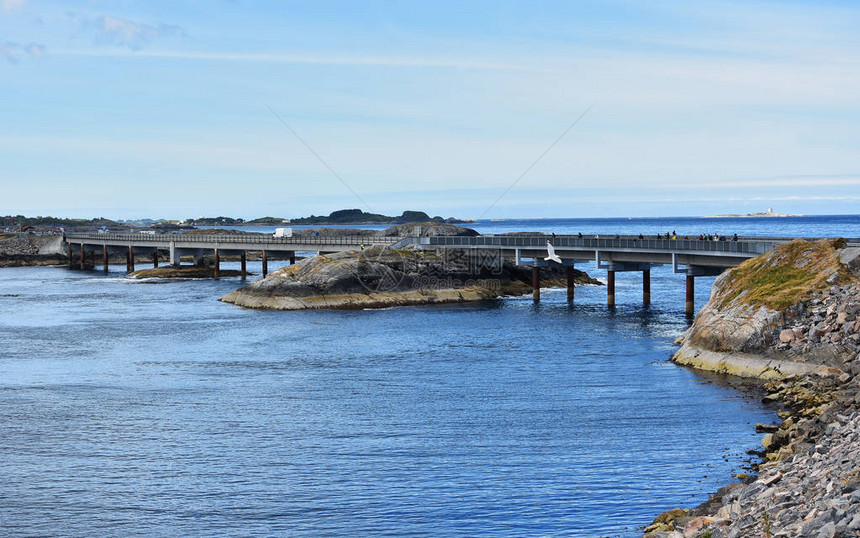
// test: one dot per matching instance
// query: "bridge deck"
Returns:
(229, 242)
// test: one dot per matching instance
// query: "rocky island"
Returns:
(380, 277)
(789, 318)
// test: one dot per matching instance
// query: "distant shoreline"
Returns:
(765, 214)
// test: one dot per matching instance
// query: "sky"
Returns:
(472, 109)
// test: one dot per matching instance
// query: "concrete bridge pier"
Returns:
(689, 307)
(570, 286)
(83, 256)
(610, 288)
(265, 264)
(537, 263)
(243, 260)
(646, 287)
(155, 259)
(217, 273)
(71, 258)
(292, 257)
(692, 271)
(614, 267)
(129, 261)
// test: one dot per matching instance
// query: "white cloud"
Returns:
(314, 59)
(133, 35)
(35, 51)
(11, 5)
(14, 52)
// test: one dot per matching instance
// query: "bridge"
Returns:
(81, 245)
(691, 257)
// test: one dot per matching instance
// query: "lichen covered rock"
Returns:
(779, 308)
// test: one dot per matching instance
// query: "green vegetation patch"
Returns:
(785, 275)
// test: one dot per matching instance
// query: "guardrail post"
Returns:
(646, 287)
(265, 264)
(610, 288)
(105, 258)
(217, 264)
(244, 266)
(536, 283)
(570, 286)
(689, 307)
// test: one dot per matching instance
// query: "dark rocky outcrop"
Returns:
(428, 229)
(381, 277)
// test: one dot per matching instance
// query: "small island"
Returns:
(768, 213)
(381, 277)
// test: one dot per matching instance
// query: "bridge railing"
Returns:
(235, 238)
(745, 246)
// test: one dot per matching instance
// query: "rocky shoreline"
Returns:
(801, 338)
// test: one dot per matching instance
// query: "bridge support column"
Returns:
(570, 286)
(105, 258)
(610, 288)
(217, 264)
(129, 264)
(293, 257)
(83, 256)
(242, 258)
(536, 284)
(265, 264)
(690, 307)
(155, 259)
(71, 258)
(646, 287)
(175, 260)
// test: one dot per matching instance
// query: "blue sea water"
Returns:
(133, 408)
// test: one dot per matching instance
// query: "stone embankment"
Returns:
(380, 277)
(25, 250)
(790, 317)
